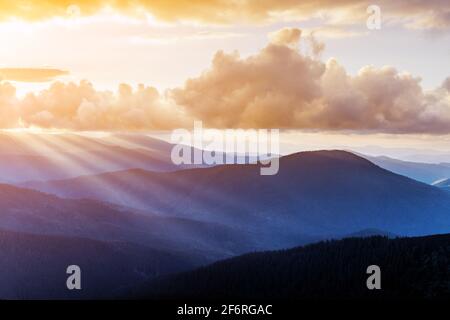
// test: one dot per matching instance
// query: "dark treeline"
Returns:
(410, 268)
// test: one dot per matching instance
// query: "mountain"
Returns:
(411, 268)
(33, 212)
(34, 266)
(20, 168)
(443, 183)
(41, 234)
(25, 157)
(147, 223)
(408, 154)
(321, 193)
(424, 172)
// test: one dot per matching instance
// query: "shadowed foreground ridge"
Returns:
(410, 268)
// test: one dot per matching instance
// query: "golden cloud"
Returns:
(286, 36)
(31, 74)
(281, 88)
(81, 107)
(424, 14)
(278, 87)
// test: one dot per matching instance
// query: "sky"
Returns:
(107, 65)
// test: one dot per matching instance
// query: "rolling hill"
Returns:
(34, 266)
(33, 212)
(318, 193)
(147, 223)
(41, 234)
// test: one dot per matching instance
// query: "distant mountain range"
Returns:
(424, 172)
(148, 223)
(116, 247)
(443, 183)
(319, 193)
(29, 157)
(44, 156)
(411, 268)
(33, 212)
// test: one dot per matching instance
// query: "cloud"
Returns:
(422, 14)
(317, 47)
(82, 107)
(9, 114)
(446, 84)
(271, 88)
(278, 87)
(286, 36)
(187, 35)
(31, 74)
(379, 99)
(334, 32)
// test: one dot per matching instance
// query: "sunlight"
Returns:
(89, 157)
(35, 130)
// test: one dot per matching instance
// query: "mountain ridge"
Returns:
(321, 188)
(414, 268)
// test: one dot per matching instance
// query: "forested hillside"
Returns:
(410, 268)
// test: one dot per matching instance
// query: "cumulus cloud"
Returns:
(82, 107)
(275, 87)
(380, 99)
(278, 87)
(286, 36)
(317, 47)
(425, 14)
(31, 74)
(446, 84)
